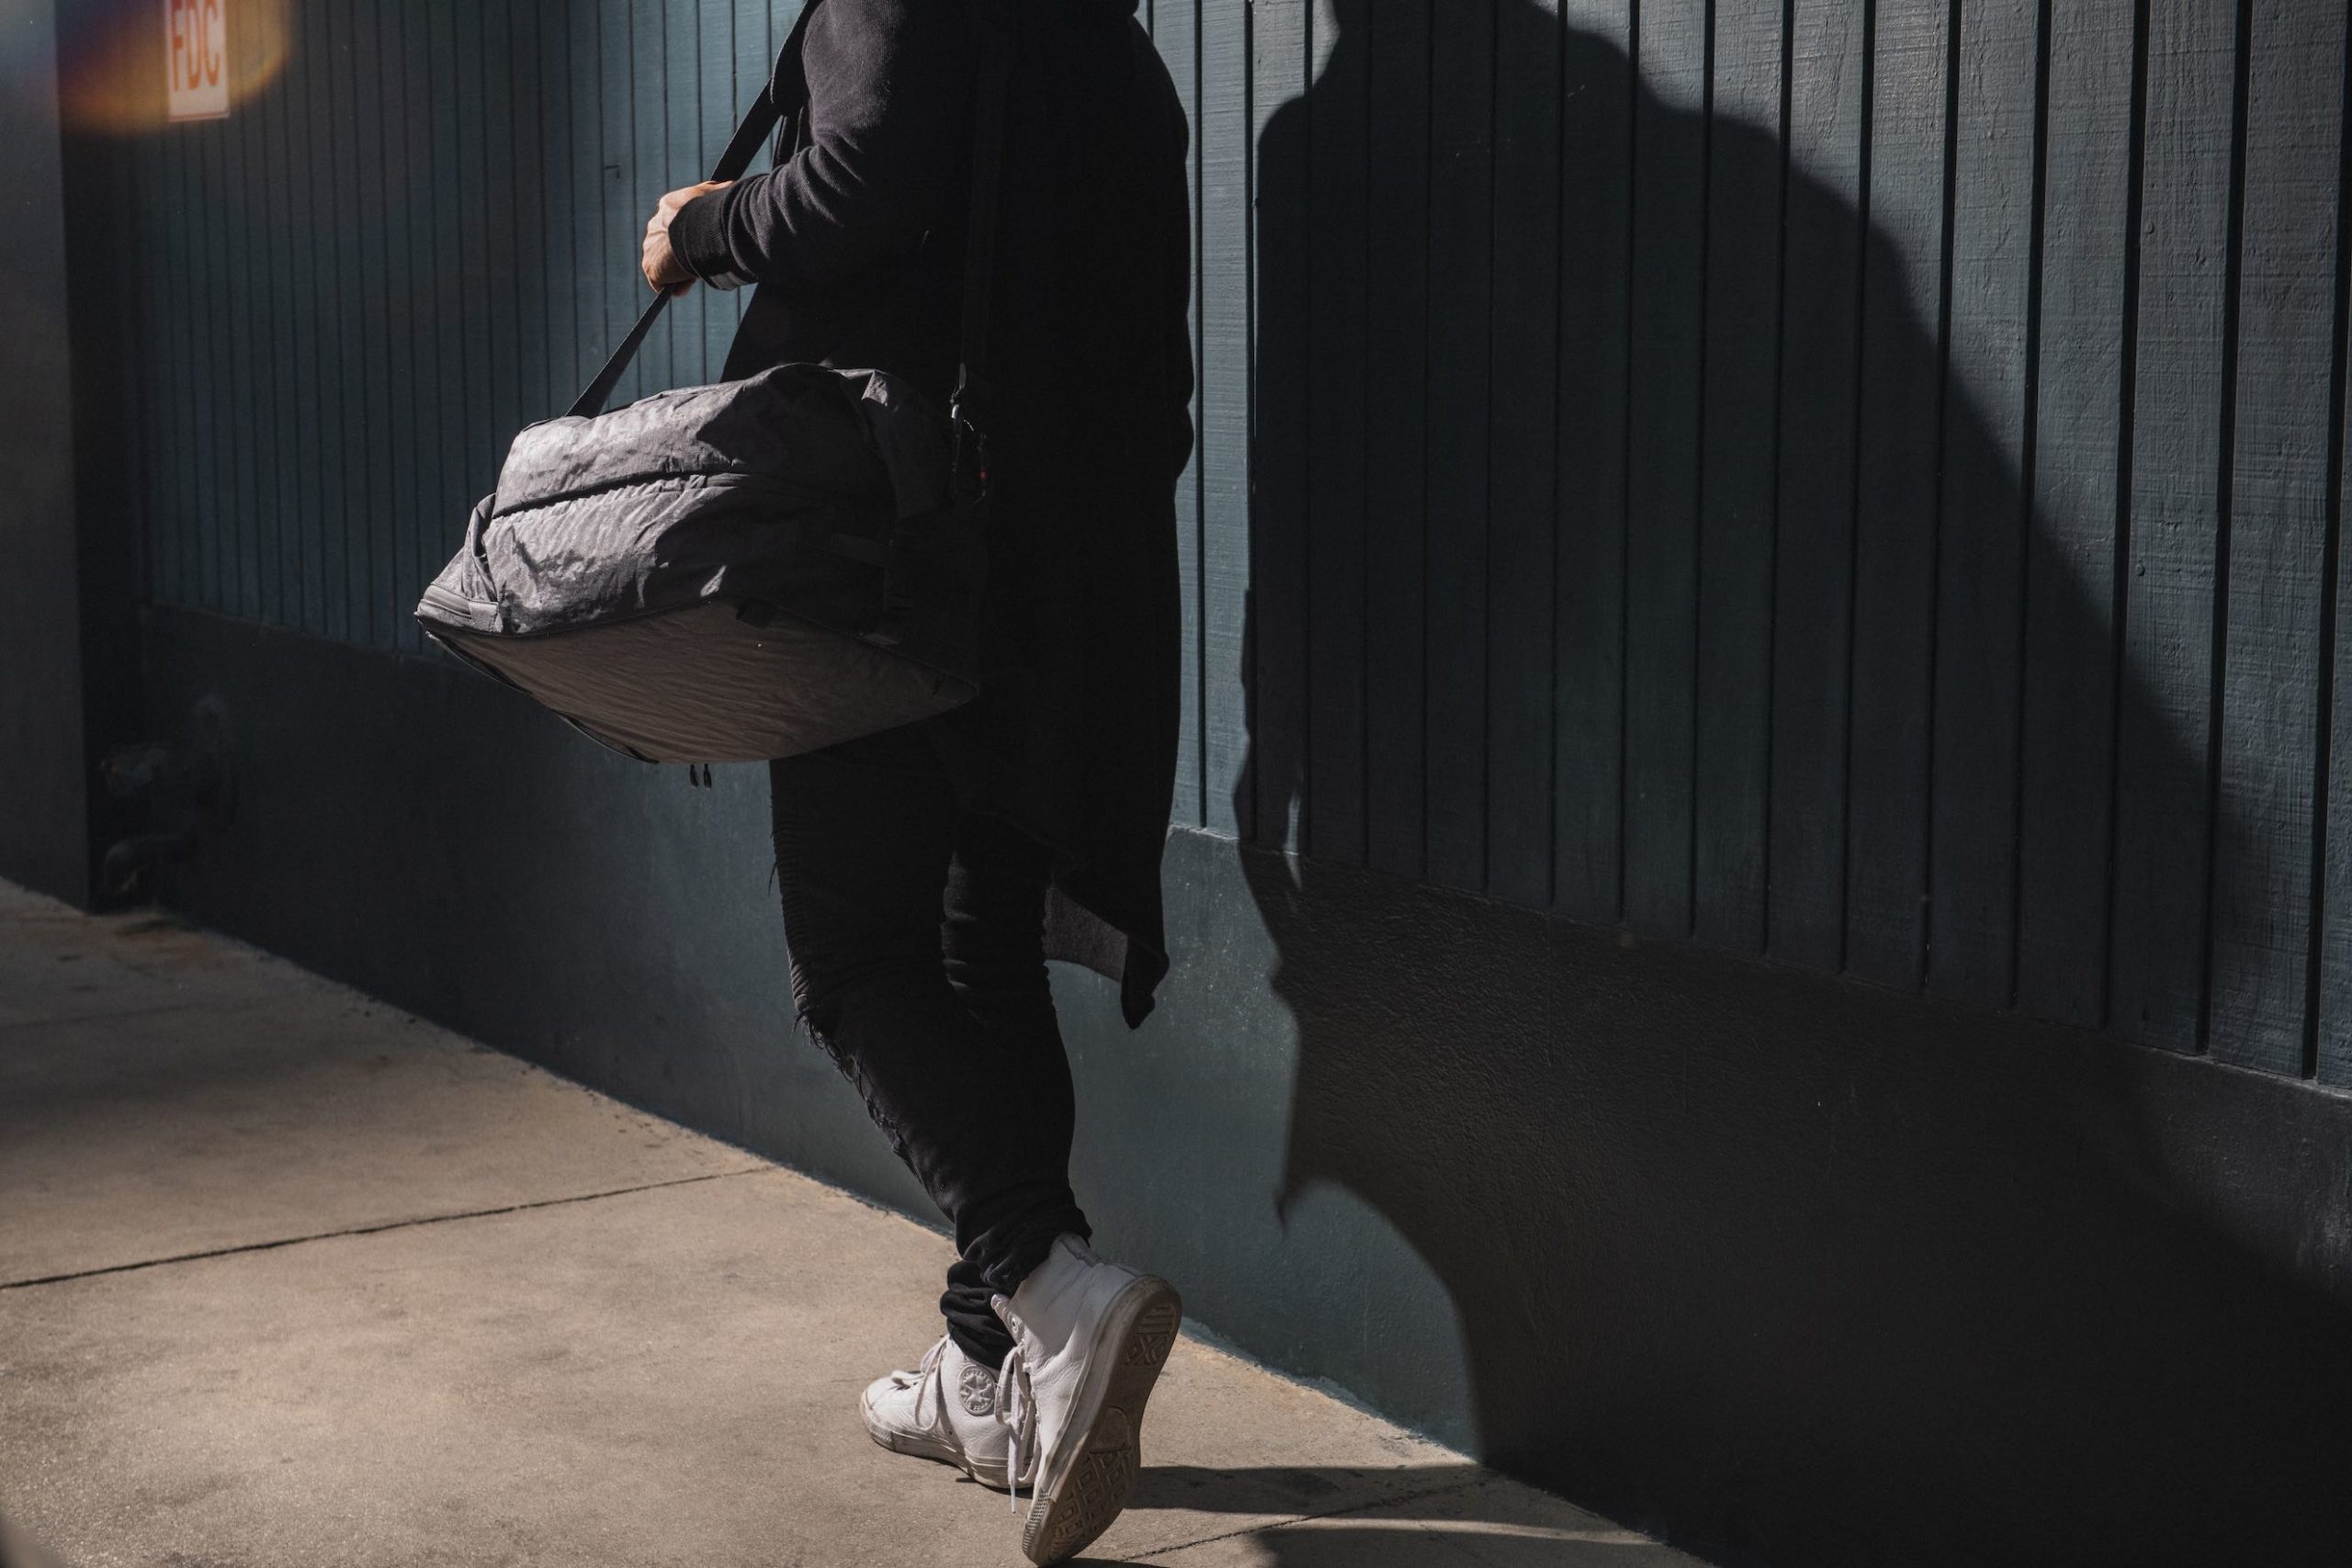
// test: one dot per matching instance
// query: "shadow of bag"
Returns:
(750, 569)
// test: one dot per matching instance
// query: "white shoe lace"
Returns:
(1016, 1410)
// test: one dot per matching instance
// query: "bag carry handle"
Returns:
(980, 263)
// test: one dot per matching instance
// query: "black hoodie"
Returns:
(856, 240)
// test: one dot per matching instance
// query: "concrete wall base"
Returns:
(1785, 1268)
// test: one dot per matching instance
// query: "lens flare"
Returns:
(111, 59)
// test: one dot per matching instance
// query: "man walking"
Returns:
(929, 872)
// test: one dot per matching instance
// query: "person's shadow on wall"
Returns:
(1724, 1241)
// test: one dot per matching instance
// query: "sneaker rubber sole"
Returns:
(925, 1445)
(941, 1453)
(1093, 1487)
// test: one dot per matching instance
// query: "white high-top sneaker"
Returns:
(944, 1409)
(1089, 1339)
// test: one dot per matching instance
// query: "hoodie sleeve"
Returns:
(888, 118)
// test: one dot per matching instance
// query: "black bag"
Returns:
(751, 569)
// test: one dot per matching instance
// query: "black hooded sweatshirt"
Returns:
(855, 241)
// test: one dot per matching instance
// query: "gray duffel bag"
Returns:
(746, 570)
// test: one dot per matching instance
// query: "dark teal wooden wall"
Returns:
(418, 237)
(1857, 484)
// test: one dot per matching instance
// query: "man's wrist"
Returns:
(698, 239)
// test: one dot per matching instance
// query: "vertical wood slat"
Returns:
(258, 309)
(2066, 786)
(532, 218)
(715, 80)
(1339, 365)
(1281, 392)
(2332, 1025)
(475, 268)
(2277, 535)
(1663, 407)
(147, 196)
(265, 321)
(357, 515)
(1226, 136)
(241, 309)
(1176, 28)
(289, 394)
(151, 340)
(1597, 91)
(224, 291)
(343, 529)
(1461, 329)
(204, 263)
(648, 140)
(1524, 441)
(1396, 298)
(401, 128)
(160, 342)
(679, 161)
(1814, 537)
(563, 162)
(218, 487)
(271, 405)
(1895, 496)
(371, 478)
(435, 526)
(590, 250)
(348, 523)
(503, 280)
(201, 503)
(309, 270)
(303, 308)
(394, 587)
(305, 167)
(186, 412)
(187, 512)
(167, 568)
(125, 171)
(617, 205)
(129, 202)
(1982, 517)
(2156, 972)
(1737, 456)
(168, 563)
(447, 283)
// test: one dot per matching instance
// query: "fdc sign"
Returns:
(195, 53)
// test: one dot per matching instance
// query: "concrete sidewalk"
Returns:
(288, 1278)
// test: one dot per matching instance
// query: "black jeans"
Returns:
(916, 930)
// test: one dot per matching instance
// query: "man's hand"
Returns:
(660, 265)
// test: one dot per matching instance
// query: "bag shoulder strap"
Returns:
(995, 41)
(741, 148)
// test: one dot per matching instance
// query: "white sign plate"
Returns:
(196, 57)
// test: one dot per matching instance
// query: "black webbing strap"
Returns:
(741, 148)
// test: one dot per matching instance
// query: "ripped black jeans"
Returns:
(915, 931)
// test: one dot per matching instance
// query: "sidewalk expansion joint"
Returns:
(379, 1228)
(1415, 1496)
(113, 1015)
